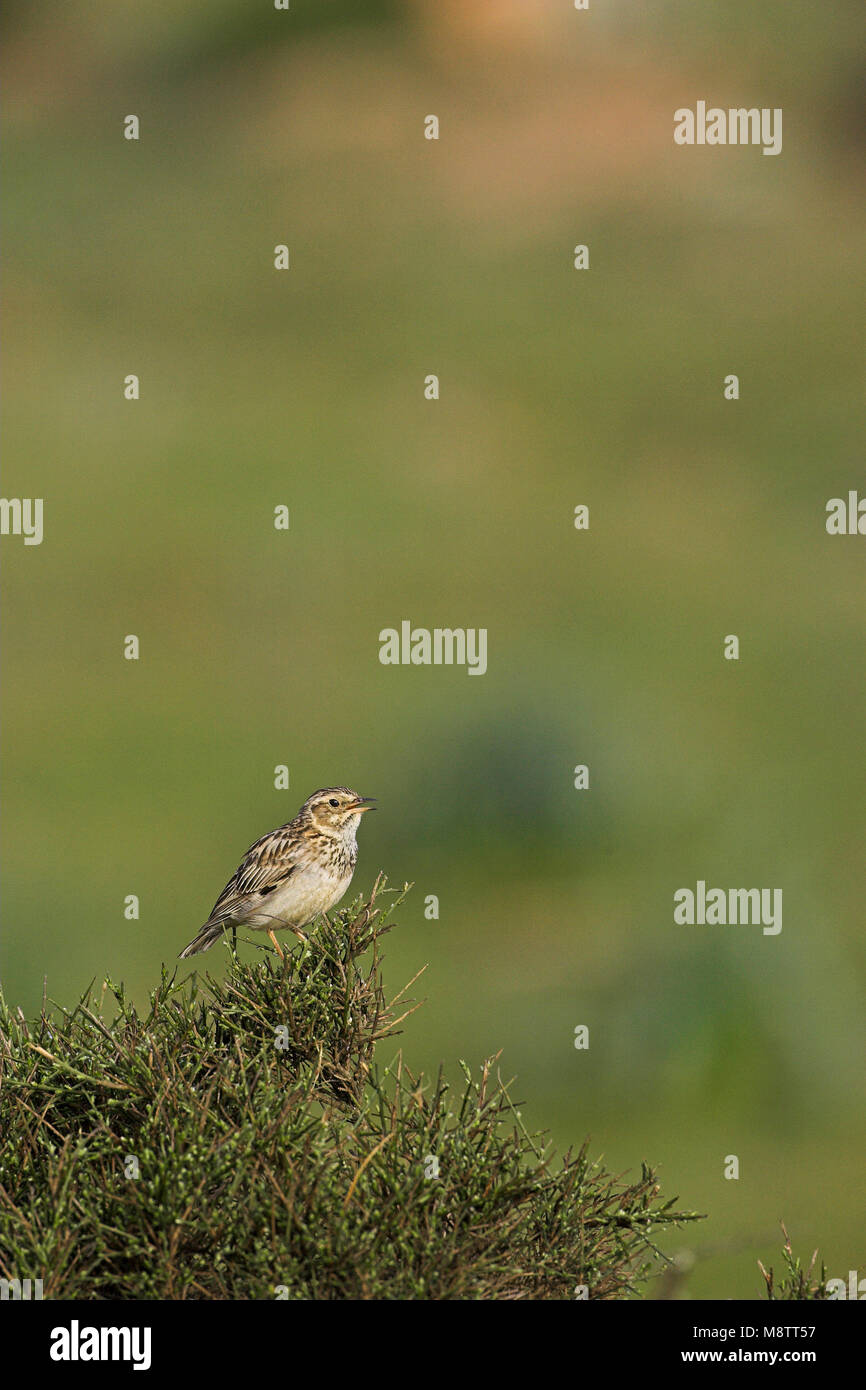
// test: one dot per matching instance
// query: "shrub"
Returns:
(238, 1141)
(797, 1282)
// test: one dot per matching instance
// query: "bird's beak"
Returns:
(364, 803)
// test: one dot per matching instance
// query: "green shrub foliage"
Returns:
(238, 1141)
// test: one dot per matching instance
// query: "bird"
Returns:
(294, 873)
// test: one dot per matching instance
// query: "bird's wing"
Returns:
(266, 863)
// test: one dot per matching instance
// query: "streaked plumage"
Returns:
(292, 874)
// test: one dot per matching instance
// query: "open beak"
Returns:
(364, 803)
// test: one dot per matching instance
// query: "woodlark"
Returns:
(293, 874)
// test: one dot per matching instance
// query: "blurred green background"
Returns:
(604, 387)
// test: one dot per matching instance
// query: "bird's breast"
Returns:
(304, 894)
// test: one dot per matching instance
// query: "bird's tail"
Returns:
(205, 938)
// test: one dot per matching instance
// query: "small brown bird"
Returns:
(294, 873)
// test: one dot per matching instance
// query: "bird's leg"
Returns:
(277, 946)
(234, 940)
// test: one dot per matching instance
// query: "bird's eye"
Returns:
(333, 801)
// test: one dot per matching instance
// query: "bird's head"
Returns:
(336, 811)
